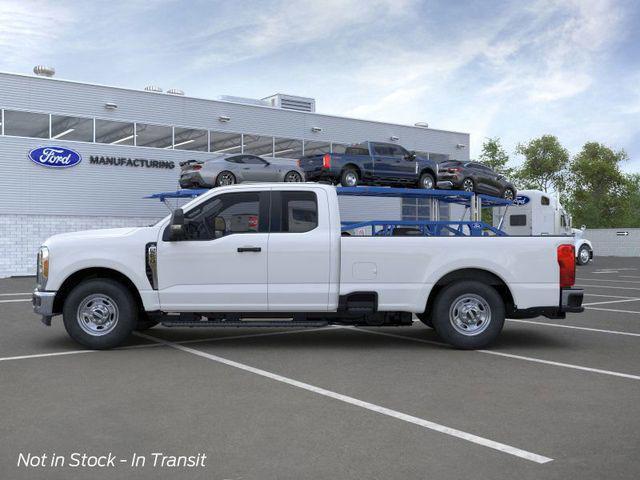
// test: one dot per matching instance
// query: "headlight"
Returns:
(43, 267)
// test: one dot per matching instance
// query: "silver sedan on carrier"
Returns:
(237, 168)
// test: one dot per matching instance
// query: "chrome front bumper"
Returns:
(43, 305)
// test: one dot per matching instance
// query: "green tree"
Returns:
(494, 156)
(545, 164)
(600, 194)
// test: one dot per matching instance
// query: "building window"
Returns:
(287, 148)
(115, 133)
(257, 145)
(157, 136)
(71, 128)
(225, 142)
(26, 124)
(316, 148)
(190, 139)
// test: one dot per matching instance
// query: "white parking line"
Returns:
(469, 437)
(609, 286)
(605, 296)
(14, 294)
(611, 310)
(509, 355)
(611, 301)
(607, 280)
(574, 327)
(149, 345)
(16, 300)
(629, 276)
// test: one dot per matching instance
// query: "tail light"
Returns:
(298, 163)
(453, 170)
(326, 161)
(196, 167)
(567, 262)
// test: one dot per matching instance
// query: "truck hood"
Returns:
(101, 235)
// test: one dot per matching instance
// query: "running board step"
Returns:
(245, 324)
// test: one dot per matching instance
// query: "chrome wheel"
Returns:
(508, 194)
(293, 177)
(427, 182)
(584, 255)
(467, 185)
(470, 314)
(226, 178)
(350, 179)
(97, 314)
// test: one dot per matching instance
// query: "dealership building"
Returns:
(129, 144)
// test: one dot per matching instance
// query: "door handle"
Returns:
(249, 249)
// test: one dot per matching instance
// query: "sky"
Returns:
(509, 69)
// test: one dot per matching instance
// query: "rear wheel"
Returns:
(584, 255)
(225, 178)
(468, 314)
(293, 176)
(427, 181)
(468, 185)
(349, 177)
(100, 313)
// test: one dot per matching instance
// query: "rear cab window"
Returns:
(294, 211)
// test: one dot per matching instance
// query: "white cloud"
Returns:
(30, 29)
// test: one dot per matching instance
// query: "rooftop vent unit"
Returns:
(244, 100)
(175, 91)
(291, 102)
(153, 88)
(43, 71)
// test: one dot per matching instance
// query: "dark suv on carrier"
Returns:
(475, 177)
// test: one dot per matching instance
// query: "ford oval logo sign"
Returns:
(55, 157)
(521, 200)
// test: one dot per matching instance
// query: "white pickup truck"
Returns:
(275, 255)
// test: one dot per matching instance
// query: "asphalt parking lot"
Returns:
(552, 399)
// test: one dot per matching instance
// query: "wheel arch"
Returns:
(428, 170)
(478, 274)
(351, 165)
(94, 272)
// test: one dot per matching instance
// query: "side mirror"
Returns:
(177, 225)
(219, 227)
(410, 156)
(583, 228)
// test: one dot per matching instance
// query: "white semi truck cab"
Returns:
(278, 255)
(537, 213)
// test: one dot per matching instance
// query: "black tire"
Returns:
(349, 177)
(581, 250)
(468, 185)
(474, 336)
(425, 318)
(221, 179)
(509, 194)
(427, 179)
(89, 291)
(293, 176)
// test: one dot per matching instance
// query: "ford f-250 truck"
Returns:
(372, 163)
(276, 252)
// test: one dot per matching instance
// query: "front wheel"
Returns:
(468, 314)
(427, 181)
(293, 176)
(100, 313)
(584, 255)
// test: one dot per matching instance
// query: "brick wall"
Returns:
(22, 235)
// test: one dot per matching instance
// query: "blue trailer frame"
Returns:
(435, 227)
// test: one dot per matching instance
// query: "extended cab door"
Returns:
(221, 263)
(300, 256)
